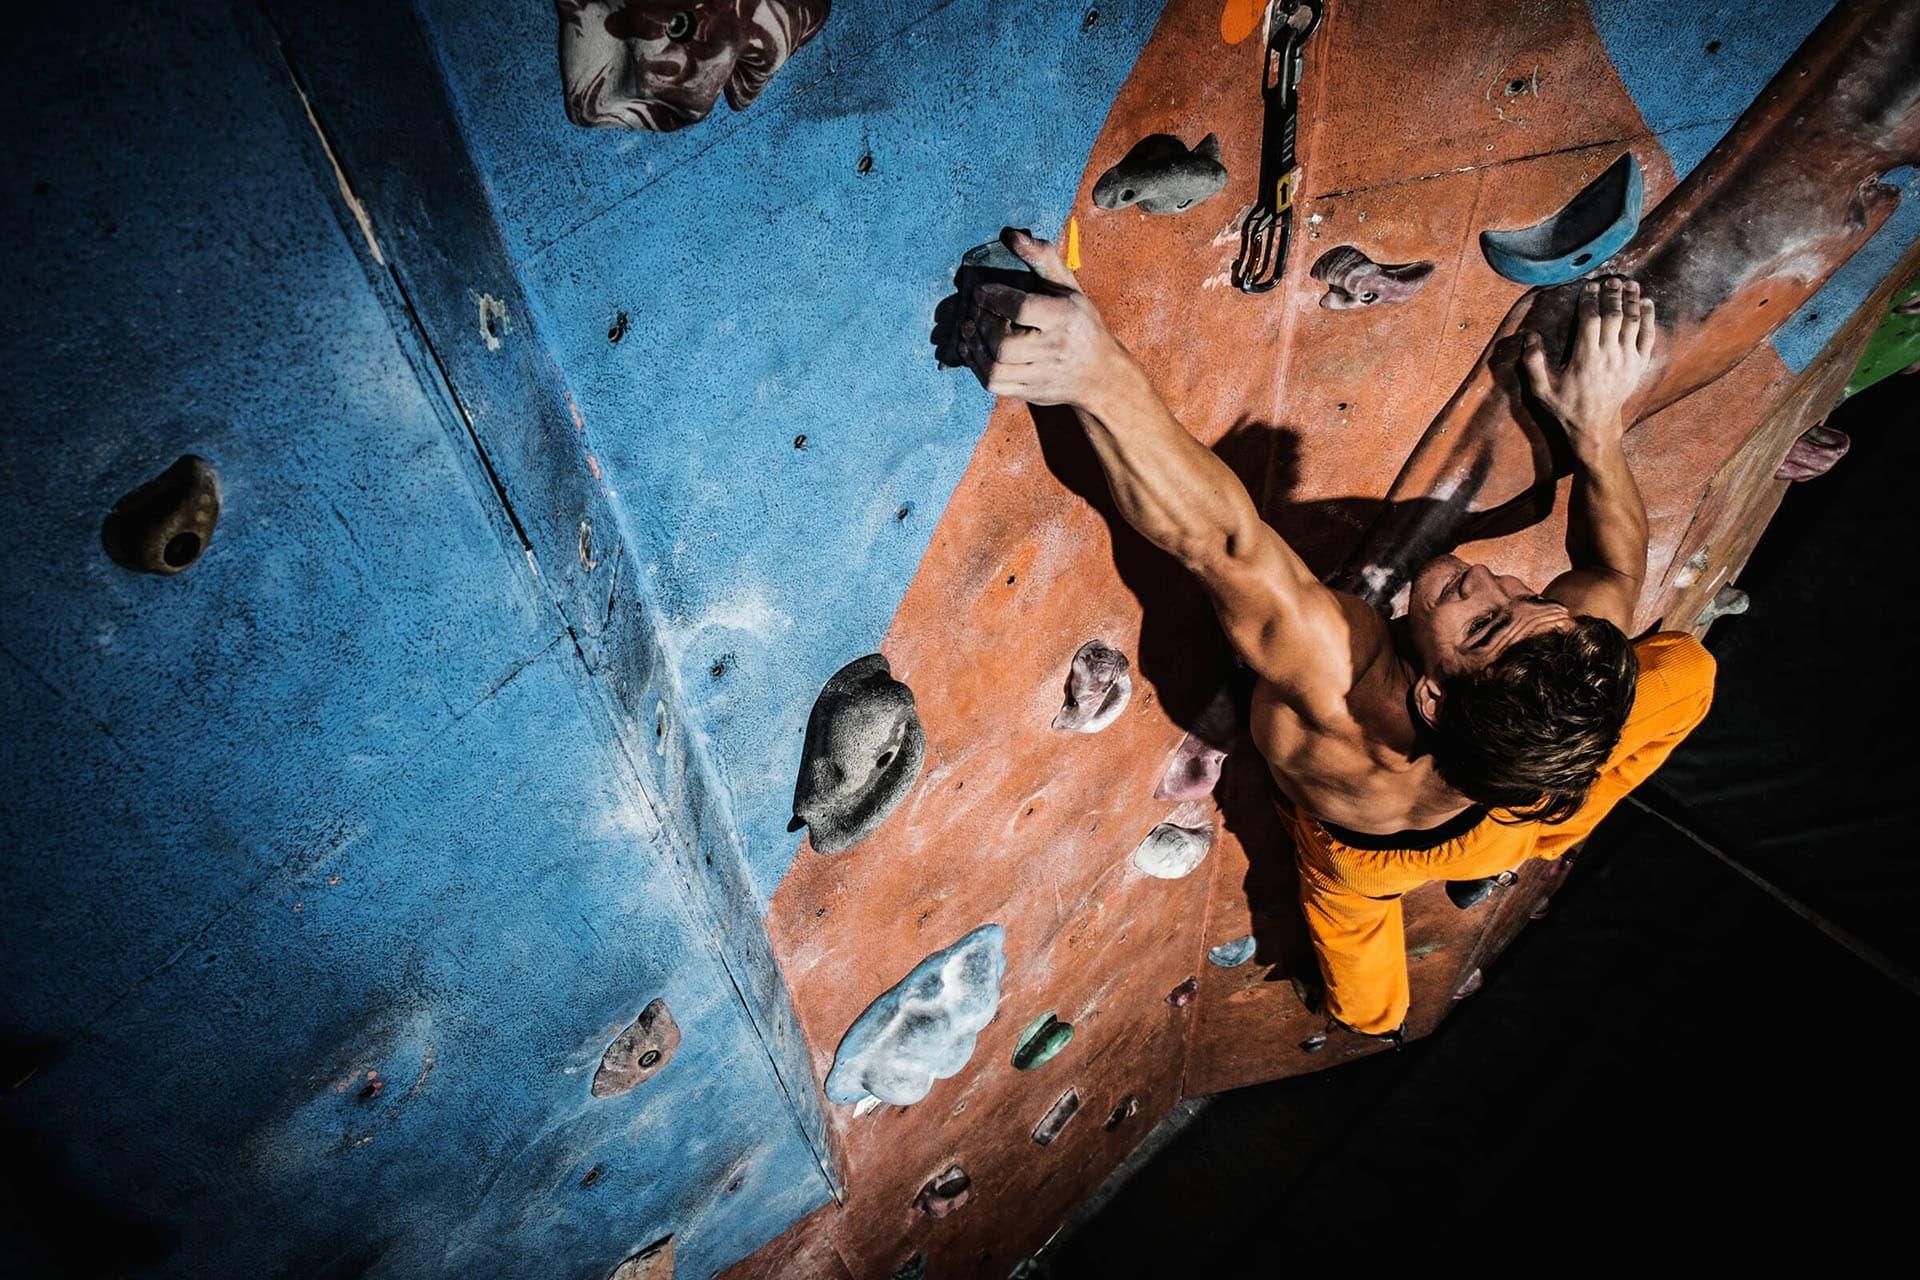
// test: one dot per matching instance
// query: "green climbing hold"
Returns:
(1041, 1040)
(1894, 346)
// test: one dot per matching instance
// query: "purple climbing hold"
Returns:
(1354, 280)
(1814, 453)
(1194, 767)
(1098, 689)
(944, 1193)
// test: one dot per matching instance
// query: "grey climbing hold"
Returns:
(639, 1053)
(945, 1193)
(163, 526)
(1098, 689)
(994, 256)
(1044, 1038)
(924, 1028)
(1727, 601)
(1162, 175)
(863, 751)
(1469, 985)
(1591, 228)
(1231, 955)
(1354, 280)
(1170, 852)
(655, 1262)
(1056, 1118)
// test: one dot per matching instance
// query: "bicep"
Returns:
(1597, 593)
(1283, 622)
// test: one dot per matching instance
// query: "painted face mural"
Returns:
(661, 64)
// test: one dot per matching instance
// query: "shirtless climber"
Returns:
(1489, 724)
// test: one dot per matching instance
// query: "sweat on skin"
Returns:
(1349, 702)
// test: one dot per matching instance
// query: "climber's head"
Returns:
(1524, 700)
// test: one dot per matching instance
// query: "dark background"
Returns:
(1708, 1041)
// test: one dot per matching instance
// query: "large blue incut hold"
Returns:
(1594, 225)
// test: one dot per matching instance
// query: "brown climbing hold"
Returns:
(1814, 453)
(1354, 280)
(655, 1262)
(945, 1193)
(639, 1053)
(163, 526)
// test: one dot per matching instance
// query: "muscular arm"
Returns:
(1606, 518)
(1053, 349)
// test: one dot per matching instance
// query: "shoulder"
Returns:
(1676, 677)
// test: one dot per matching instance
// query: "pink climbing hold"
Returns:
(1814, 453)
(1194, 767)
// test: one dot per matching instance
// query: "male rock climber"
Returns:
(1489, 724)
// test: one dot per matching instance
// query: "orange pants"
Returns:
(1352, 896)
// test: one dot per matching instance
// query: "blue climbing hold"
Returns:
(1578, 239)
(1229, 955)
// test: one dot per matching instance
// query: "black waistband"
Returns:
(1412, 841)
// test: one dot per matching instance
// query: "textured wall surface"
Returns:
(563, 467)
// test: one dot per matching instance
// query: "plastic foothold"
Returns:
(639, 1053)
(1194, 768)
(1128, 1108)
(1726, 602)
(661, 67)
(1162, 175)
(1313, 1044)
(942, 1195)
(655, 1262)
(1098, 689)
(1183, 995)
(1814, 453)
(1590, 229)
(863, 751)
(1045, 1037)
(1170, 852)
(164, 525)
(1354, 280)
(1472, 983)
(1056, 1118)
(1231, 955)
(1467, 894)
(925, 1027)
(914, 1268)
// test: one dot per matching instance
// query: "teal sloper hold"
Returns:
(1591, 228)
(1229, 955)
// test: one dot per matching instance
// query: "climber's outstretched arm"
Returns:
(1052, 348)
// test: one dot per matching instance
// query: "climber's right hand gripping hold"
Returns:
(1046, 345)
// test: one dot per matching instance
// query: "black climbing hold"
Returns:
(1128, 1108)
(863, 751)
(1313, 1044)
(1466, 894)
(914, 1268)
(1056, 1118)
(618, 329)
(164, 525)
(1162, 175)
(639, 1053)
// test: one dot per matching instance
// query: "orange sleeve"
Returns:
(1675, 690)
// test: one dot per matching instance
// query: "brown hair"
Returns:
(1529, 732)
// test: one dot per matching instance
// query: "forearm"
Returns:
(1167, 485)
(1606, 517)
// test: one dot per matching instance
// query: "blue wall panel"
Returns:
(339, 799)
(773, 291)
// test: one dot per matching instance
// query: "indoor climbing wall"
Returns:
(647, 762)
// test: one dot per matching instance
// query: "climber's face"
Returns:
(1462, 616)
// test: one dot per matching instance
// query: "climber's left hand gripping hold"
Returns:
(1044, 345)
